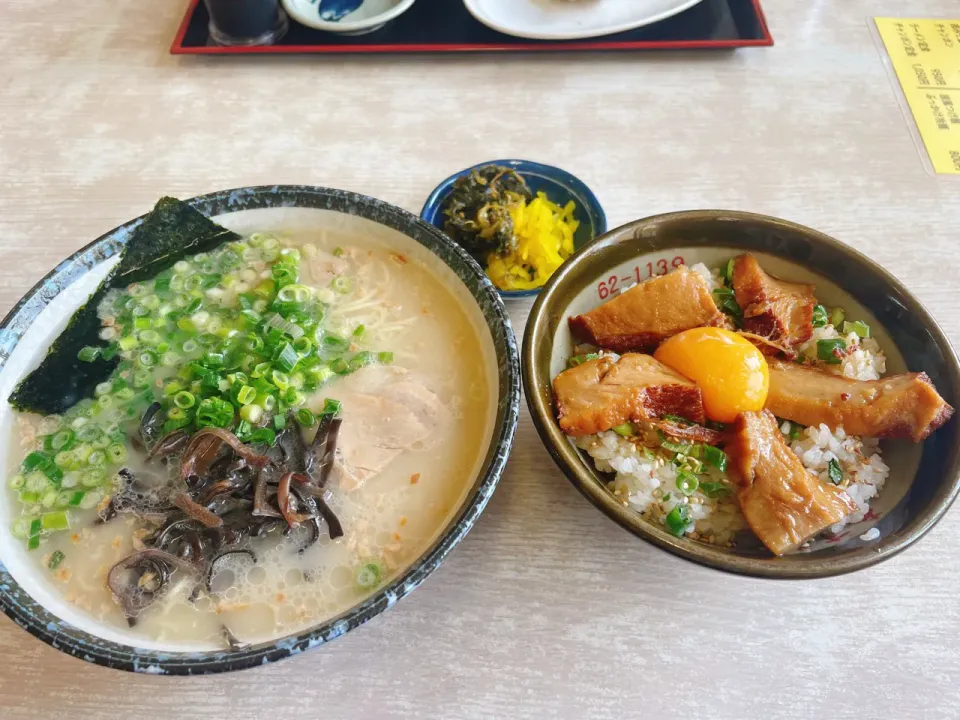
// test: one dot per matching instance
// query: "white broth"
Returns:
(416, 417)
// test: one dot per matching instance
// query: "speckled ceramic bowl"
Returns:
(26, 596)
(923, 479)
(558, 185)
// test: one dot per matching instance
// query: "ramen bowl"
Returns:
(923, 478)
(27, 594)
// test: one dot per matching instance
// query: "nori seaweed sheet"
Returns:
(171, 232)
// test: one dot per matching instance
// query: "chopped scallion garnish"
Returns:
(820, 318)
(834, 472)
(830, 351)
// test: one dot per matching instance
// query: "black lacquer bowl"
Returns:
(36, 320)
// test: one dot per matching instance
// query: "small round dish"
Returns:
(26, 332)
(924, 479)
(346, 17)
(559, 186)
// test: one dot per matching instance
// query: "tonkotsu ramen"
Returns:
(251, 439)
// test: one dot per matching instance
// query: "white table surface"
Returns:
(547, 609)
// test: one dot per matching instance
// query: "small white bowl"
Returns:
(369, 16)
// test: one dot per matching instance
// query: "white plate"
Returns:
(572, 19)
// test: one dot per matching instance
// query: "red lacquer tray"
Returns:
(446, 26)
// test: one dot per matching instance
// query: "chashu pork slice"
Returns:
(781, 312)
(646, 315)
(386, 411)
(602, 394)
(783, 503)
(898, 406)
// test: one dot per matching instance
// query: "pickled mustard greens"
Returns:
(521, 239)
(478, 211)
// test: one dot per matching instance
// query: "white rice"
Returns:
(712, 276)
(649, 486)
(864, 361)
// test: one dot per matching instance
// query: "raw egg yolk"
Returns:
(731, 372)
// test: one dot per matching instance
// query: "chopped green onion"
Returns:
(836, 316)
(21, 527)
(716, 457)
(262, 435)
(726, 300)
(279, 421)
(246, 395)
(17, 482)
(581, 359)
(302, 345)
(55, 559)
(184, 400)
(35, 460)
(361, 359)
(276, 322)
(834, 472)
(36, 527)
(56, 520)
(62, 440)
(305, 417)
(860, 328)
(320, 374)
(298, 294)
(251, 413)
(88, 353)
(728, 270)
(342, 285)
(713, 489)
(677, 447)
(65, 459)
(820, 318)
(331, 407)
(687, 482)
(340, 366)
(214, 412)
(280, 379)
(829, 350)
(117, 453)
(624, 430)
(359, 331)
(127, 343)
(337, 251)
(678, 520)
(368, 576)
(385, 358)
(287, 358)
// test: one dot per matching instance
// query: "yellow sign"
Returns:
(926, 57)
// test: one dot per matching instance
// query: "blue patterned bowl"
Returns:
(35, 321)
(559, 186)
(346, 17)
